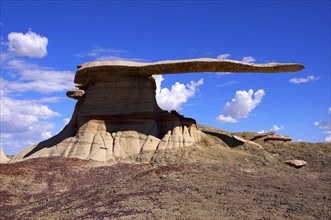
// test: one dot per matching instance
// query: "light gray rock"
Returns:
(247, 141)
(75, 94)
(296, 163)
(278, 138)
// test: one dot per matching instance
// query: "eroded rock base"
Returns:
(94, 142)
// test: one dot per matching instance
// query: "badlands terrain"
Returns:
(220, 177)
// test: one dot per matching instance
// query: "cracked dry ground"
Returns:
(225, 183)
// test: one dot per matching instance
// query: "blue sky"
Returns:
(42, 42)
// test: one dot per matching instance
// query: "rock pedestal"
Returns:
(117, 118)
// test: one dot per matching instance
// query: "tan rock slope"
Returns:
(117, 119)
(3, 157)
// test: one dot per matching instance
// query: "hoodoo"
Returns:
(116, 117)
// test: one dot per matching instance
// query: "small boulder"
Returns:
(296, 163)
(75, 94)
(278, 138)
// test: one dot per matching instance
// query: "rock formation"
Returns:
(3, 157)
(116, 117)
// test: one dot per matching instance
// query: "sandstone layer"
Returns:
(3, 157)
(117, 119)
(101, 70)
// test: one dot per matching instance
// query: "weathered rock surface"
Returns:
(247, 141)
(75, 94)
(264, 134)
(278, 138)
(117, 119)
(101, 70)
(3, 157)
(94, 142)
(296, 163)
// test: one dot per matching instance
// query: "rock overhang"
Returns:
(117, 118)
(102, 70)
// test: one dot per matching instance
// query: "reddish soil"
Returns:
(225, 183)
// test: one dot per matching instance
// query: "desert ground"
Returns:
(217, 179)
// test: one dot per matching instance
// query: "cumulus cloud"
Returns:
(240, 107)
(29, 44)
(223, 56)
(328, 137)
(277, 128)
(19, 115)
(174, 98)
(274, 128)
(31, 77)
(304, 80)
(22, 122)
(248, 59)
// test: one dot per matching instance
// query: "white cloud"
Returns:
(227, 84)
(29, 44)
(48, 100)
(328, 137)
(325, 125)
(4, 56)
(222, 73)
(174, 98)
(31, 77)
(241, 105)
(304, 80)
(99, 51)
(274, 128)
(66, 121)
(227, 119)
(22, 122)
(248, 59)
(277, 128)
(223, 56)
